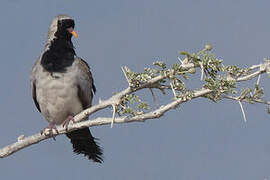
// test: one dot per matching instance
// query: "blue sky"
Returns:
(200, 140)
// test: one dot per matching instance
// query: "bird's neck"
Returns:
(58, 56)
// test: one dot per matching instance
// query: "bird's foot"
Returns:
(67, 121)
(48, 131)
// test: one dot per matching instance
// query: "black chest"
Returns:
(59, 56)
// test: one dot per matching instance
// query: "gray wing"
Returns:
(33, 84)
(85, 83)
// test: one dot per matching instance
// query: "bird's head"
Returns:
(62, 26)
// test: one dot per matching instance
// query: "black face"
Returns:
(62, 28)
(60, 54)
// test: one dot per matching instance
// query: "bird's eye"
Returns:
(66, 23)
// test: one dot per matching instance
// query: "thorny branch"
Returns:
(219, 83)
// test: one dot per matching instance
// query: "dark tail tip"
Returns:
(84, 143)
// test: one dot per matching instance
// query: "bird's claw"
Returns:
(48, 131)
(67, 121)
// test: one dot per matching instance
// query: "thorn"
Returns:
(257, 84)
(180, 60)
(174, 93)
(258, 80)
(113, 116)
(242, 109)
(154, 97)
(125, 75)
(202, 70)
(20, 138)
(163, 91)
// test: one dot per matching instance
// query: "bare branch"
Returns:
(27, 141)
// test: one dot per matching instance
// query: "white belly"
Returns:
(58, 96)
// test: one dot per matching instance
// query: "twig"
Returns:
(255, 66)
(256, 73)
(255, 100)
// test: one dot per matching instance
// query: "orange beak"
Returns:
(71, 31)
(74, 33)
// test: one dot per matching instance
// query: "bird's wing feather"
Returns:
(33, 84)
(85, 83)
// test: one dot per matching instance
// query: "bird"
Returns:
(62, 86)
